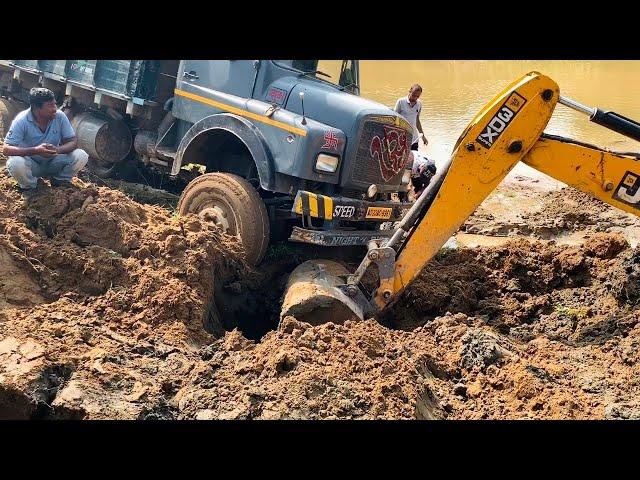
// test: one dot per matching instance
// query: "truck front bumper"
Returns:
(347, 209)
(344, 209)
(337, 238)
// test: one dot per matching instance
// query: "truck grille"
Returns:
(383, 151)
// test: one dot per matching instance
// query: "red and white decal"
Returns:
(276, 95)
(330, 140)
(391, 151)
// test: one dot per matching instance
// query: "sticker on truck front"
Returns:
(344, 211)
(313, 204)
(330, 140)
(383, 213)
(628, 190)
(276, 96)
(501, 120)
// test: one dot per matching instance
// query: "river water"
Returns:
(455, 90)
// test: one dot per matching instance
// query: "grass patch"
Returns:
(571, 313)
(281, 251)
(444, 252)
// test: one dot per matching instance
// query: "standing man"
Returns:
(409, 107)
(42, 143)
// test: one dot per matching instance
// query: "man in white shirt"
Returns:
(409, 107)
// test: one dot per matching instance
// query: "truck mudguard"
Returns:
(241, 128)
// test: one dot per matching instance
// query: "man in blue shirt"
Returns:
(41, 143)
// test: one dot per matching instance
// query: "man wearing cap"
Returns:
(41, 143)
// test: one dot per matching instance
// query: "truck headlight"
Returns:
(406, 177)
(327, 163)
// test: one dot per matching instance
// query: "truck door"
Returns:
(202, 80)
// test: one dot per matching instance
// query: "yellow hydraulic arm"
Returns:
(508, 130)
(611, 177)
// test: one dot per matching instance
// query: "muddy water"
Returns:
(455, 90)
(470, 240)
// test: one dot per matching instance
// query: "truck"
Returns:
(264, 149)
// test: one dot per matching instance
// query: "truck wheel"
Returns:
(231, 203)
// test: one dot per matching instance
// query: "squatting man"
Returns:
(41, 143)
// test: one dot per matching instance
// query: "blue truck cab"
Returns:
(265, 149)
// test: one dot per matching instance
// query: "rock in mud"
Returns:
(481, 349)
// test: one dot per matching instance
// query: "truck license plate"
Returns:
(383, 213)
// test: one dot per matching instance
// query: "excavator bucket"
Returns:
(313, 294)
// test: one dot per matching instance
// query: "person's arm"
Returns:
(68, 134)
(67, 147)
(11, 151)
(397, 107)
(419, 127)
(14, 137)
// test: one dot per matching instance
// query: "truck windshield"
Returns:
(343, 73)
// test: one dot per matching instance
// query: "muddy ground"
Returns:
(102, 303)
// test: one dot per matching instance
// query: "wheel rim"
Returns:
(215, 215)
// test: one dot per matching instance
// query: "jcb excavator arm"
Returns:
(611, 177)
(495, 141)
(508, 130)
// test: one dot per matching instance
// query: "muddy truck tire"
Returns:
(231, 203)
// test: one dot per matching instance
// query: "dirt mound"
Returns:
(515, 210)
(102, 302)
(547, 332)
(454, 367)
(356, 370)
(522, 281)
(568, 209)
(103, 291)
